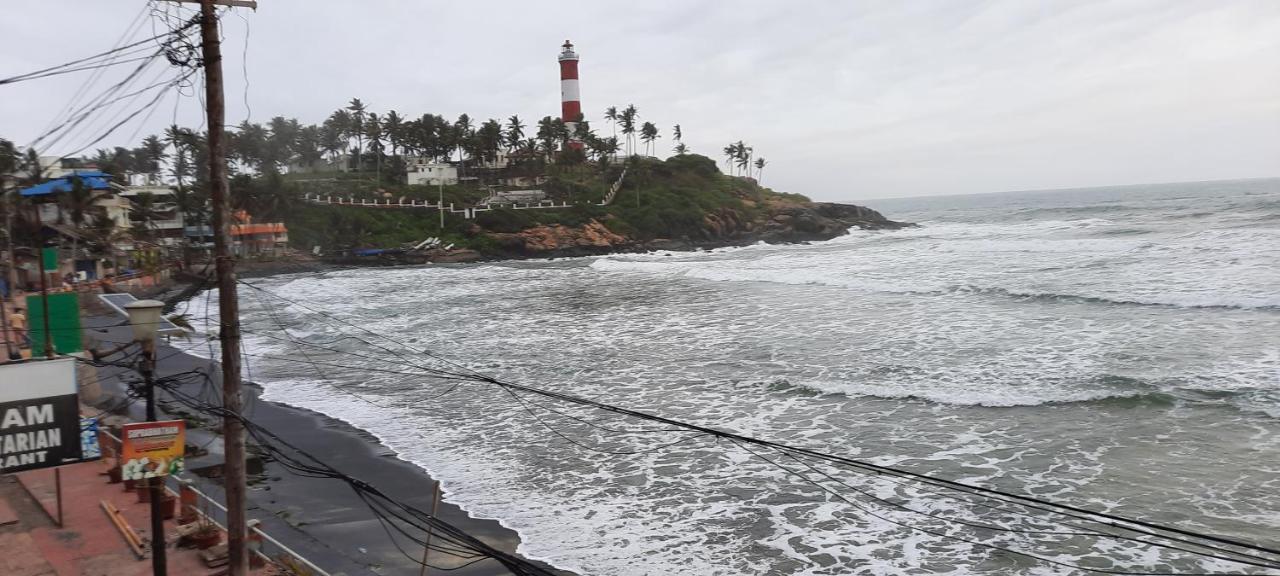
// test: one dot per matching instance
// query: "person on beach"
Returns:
(18, 328)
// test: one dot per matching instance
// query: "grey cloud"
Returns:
(848, 100)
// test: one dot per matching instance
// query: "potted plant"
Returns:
(207, 535)
(168, 505)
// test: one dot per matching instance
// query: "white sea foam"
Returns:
(987, 352)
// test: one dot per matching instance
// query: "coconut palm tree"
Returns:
(102, 235)
(547, 134)
(628, 119)
(489, 139)
(680, 149)
(742, 156)
(515, 132)
(605, 148)
(611, 114)
(144, 213)
(373, 132)
(648, 133)
(181, 166)
(676, 134)
(393, 126)
(77, 203)
(356, 127)
(308, 146)
(331, 140)
(8, 157)
(730, 154)
(462, 131)
(153, 154)
(760, 164)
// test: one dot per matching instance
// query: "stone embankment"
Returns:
(780, 223)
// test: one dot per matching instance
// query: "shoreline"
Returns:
(298, 262)
(322, 518)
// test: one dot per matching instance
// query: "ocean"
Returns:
(1115, 348)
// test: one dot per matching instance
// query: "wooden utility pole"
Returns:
(233, 473)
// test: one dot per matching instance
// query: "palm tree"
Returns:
(610, 147)
(680, 149)
(102, 236)
(181, 167)
(648, 133)
(356, 127)
(676, 134)
(309, 147)
(547, 134)
(8, 157)
(77, 202)
(145, 214)
(153, 154)
(250, 147)
(742, 156)
(760, 164)
(488, 140)
(628, 121)
(611, 114)
(461, 137)
(730, 154)
(393, 125)
(331, 138)
(373, 131)
(515, 133)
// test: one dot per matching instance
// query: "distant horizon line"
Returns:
(1025, 190)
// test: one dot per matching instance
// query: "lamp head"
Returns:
(144, 315)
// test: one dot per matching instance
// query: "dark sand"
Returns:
(322, 519)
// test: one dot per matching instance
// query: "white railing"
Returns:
(613, 190)
(294, 557)
(466, 212)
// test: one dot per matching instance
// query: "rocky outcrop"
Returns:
(778, 222)
(560, 240)
(821, 221)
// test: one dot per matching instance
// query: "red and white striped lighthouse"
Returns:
(570, 105)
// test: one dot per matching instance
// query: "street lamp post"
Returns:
(144, 316)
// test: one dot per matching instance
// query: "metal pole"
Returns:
(426, 549)
(159, 564)
(228, 305)
(44, 304)
(57, 492)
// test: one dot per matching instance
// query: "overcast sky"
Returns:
(846, 100)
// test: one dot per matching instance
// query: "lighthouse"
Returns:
(570, 105)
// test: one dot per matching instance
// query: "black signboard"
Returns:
(39, 415)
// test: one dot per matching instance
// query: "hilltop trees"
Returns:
(151, 153)
(515, 133)
(356, 135)
(738, 158)
(355, 126)
(627, 118)
(648, 133)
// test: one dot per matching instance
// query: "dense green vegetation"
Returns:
(658, 199)
(360, 154)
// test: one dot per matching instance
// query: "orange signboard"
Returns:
(150, 449)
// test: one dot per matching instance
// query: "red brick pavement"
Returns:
(88, 544)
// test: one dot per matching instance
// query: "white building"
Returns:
(342, 163)
(166, 221)
(420, 170)
(516, 197)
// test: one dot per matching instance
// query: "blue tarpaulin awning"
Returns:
(93, 180)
